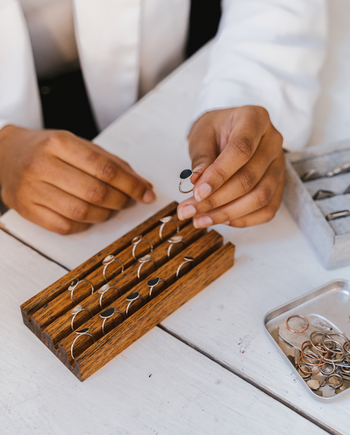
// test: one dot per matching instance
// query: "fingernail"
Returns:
(226, 223)
(202, 222)
(202, 191)
(149, 196)
(186, 212)
(198, 167)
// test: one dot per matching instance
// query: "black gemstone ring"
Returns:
(75, 311)
(142, 261)
(105, 289)
(185, 175)
(153, 283)
(80, 333)
(107, 314)
(132, 297)
(107, 261)
(164, 221)
(186, 260)
(74, 284)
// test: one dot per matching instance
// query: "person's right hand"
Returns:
(62, 182)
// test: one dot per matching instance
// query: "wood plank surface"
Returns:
(159, 385)
(274, 261)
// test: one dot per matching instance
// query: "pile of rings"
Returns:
(327, 354)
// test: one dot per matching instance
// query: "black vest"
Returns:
(204, 21)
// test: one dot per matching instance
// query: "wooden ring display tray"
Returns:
(48, 314)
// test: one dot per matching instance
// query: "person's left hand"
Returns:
(238, 154)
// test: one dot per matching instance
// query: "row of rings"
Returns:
(135, 242)
(151, 284)
(110, 259)
(110, 312)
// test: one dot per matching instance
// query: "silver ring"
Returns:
(185, 175)
(186, 260)
(311, 174)
(107, 261)
(325, 372)
(142, 261)
(135, 241)
(107, 314)
(172, 241)
(75, 311)
(164, 221)
(153, 283)
(345, 167)
(132, 297)
(323, 194)
(74, 284)
(105, 289)
(332, 384)
(80, 333)
(337, 215)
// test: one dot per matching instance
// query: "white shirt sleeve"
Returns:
(19, 96)
(268, 53)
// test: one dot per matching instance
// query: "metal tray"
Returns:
(327, 307)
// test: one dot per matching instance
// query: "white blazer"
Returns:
(266, 53)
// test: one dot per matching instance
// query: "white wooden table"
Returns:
(208, 367)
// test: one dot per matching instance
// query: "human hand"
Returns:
(62, 182)
(238, 154)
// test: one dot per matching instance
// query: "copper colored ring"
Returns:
(306, 344)
(312, 363)
(313, 372)
(294, 330)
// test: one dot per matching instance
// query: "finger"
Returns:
(124, 164)
(258, 198)
(53, 221)
(263, 215)
(67, 205)
(248, 129)
(83, 186)
(93, 161)
(241, 183)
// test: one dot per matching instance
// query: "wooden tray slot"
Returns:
(152, 313)
(56, 307)
(51, 292)
(48, 314)
(199, 250)
(61, 327)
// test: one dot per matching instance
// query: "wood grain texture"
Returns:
(63, 302)
(199, 250)
(61, 326)
(52, 322)
(58, 287)
(154, 312)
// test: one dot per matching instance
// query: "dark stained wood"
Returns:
(48, 314)
(199, 250)
(60, 327)
(56, 307)
(154, 312)
(62, 284)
